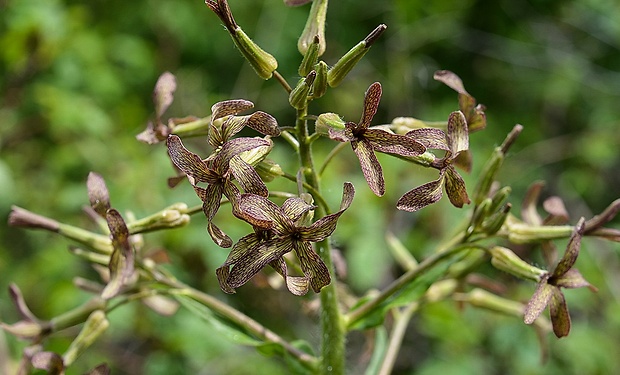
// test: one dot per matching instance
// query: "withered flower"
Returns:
(474, 113)
(278, 231)
(218, 173)
(454, 142)
(163, 95)
(548, 291)
(365, 141)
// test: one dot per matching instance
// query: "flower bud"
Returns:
(263, 63)
(24, 329)
(257, 154)
(487, 175)
(310, 58)
(95, 325)
(499, 198)
(494, 223)
(268, 170)
(339, 71)
(489, 301)
(327, 121)
(299, 96)
(319, 87)
(315, 28)
(506, 260)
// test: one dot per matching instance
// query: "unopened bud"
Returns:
(95, 325)
(268, 170)
(264, 64)
(327, 121)
(299, 96)
(506, 260)
(489, 301)
(319, 87)
(494, 223)
(440, 290)
(339, 71)
(315, 28)
(24, 329)
(487, 175)
(310, 58)
(500, 198)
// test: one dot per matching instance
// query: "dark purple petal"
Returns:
(558, 310)
(188, 162)
(230, 127)
(234, 147)
(476, 118)
(572, 250)
(430, 138)
(370, 166)
(538, 302)
(98, 194)
(248, 178)
(312, 265)
(390, 143)
(325, 226)
(255, 259)
(421, 196)
(263, 213)
(230, 107)
(122, 259)
(295, 207)
(20, 217)
(458, 136)
(263, 123)
(571, 279)
(298, 285)
(241, 248)
(218, 236)
(211, 199)
(455, 188)
(371, 104)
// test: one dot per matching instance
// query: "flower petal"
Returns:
(571, 279)
(560, 319)
(232, 148)
(451, 80)
(188, 162)
(312, 265)
(248, 178)
(371, 104)
(264, 123)
(558, 215)
(211, 198)
(263, 213)
(326, 225)
(390, 143)
(455, 188)
(538, 302)
(458, 136)
(370, 166)
(230, 107)
(430, 138)
(163, 95)
(122, 259)
(529, 213)
(218, 236)
(298, 285)
(241, 248)
(572, 250)
(422, 196)
(256, 258)
(339, 135)
(295, 207)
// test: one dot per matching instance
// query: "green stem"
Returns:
(402, 319)
(332, 327)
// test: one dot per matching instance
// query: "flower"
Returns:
(163, 96)
(365, 141)
(548, 291)
(278, 231)
(454, 142)
(218, 172)
(474, 113)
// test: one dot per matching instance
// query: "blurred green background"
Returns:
(75, 88)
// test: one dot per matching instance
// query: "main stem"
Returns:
(332, 327)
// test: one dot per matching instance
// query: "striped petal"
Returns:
(248, 178)
(393, 143)
(255, 259)
(325, 226)
(371, 104)
(421, 196)
(370, 166)
(430, 138)
(188, 162)
(455, 188)
(312, 265)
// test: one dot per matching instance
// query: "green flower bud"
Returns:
(339, 71)
(24, 329)
(95, 325)
(263, 63)
(268, 170)
(481, 212)
(489, 301)
(325, 121)
(487, 175)
(500, 198)
(310, 58)
(494, 223)
(506, 260)
(315, 27)
(299, 96)
(320, 83)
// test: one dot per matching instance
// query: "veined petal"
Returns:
(256, 258)
(98, 194)
(230, 107)
(393, 143)
(295, 207)
(211, 198)
(572, 250)
(339, 135)
(571, 279)
(538, 302)
(370, 166)
(233, 125)
(326, 225)
(312, 265)
(558, 310)
(298, 285)
(234, 147)
(371, 104)
(163, 94)
(241, 248)
(430, 138)
(458, 136)
(263, 123)
(248, 178)
(122, 259)
(218, 236)
(451, 80)
(422, 196)
(188, 162)
(455, 188)
(260, 211)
